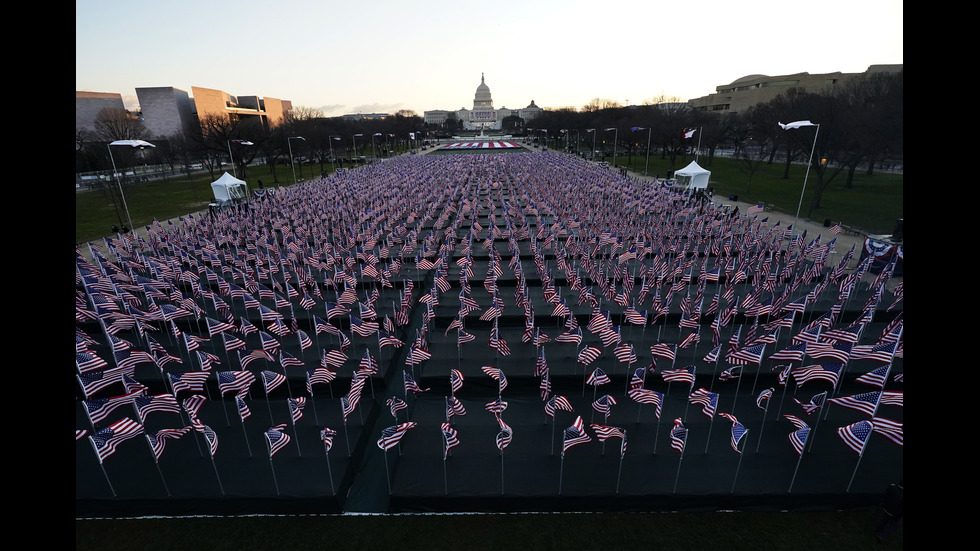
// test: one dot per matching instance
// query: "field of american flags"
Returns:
(530, 249)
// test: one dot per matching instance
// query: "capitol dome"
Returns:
(482, 99)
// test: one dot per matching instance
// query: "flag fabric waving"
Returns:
(738, 431)
(798, 437)
(393, 434)
(105, 441)
(855, 435)
(575, 435)
(678, 436)
(277, 439)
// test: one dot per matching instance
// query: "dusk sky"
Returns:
(387, 55)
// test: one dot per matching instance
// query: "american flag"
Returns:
(505, 435)
(215, 327)
(888, 428)
(598, 377)
(738, 431)
(604, 404)
(855, 435)
(876, 377)
(684, 375)
(243, 411)
(98, 380)
(166, 403)
(840, 351)
(866, 403)
(277, 439)
(708, 401)
(393, 434)
(451, 438)
(456, 380)
(882, 352)
(296, 406)
(829, 372)
(748, 355)
(625, 354)
(332, 357)
(604, 432)
(496, 407)
(764, 396)
(497, 343)
(454, 407)
(99, 409)
(192, 381)
(815, 403)
(588, 355)
(235, 381)
(288, 360)
(792, 353)
(798, 437)
(678, 436)
(326, 436)
(158, 439)
(575, 435)
(411, 385)
(106, 440)
(395, 405)
(497, 375)
(557, 402)
(662, 350)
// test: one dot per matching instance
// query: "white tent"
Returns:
(228, 188)
(693, 176)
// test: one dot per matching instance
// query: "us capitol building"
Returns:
(483, 116)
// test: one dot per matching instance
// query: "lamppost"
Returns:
(592, 155)
(578, 134)
(236, 142)
(354, 141)
(800, 124)
(374, 147)
(615, 139)
(290, 144)
(333, 160)
(131, 143)
(649, 133)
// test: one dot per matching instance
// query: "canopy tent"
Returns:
(693, 176)
(228, 188)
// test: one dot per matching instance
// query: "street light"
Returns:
(800, 124)
(354, 141)
(615, 139)
(290, 144)
(236, 142)
(592, 155)
(333, 160)
(131, 143)
(374, 147)
(649, 132)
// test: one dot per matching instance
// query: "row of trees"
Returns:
(861, 126)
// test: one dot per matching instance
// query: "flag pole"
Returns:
(271, 466)
(737, 468)
(678, 475)
(387, 474)
(619, 475)
(762, 425)
(326, 452)
(561, 471)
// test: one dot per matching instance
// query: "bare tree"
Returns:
(113, 123)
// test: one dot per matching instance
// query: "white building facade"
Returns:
(483, 116)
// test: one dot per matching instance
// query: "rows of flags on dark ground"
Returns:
(329, 253)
